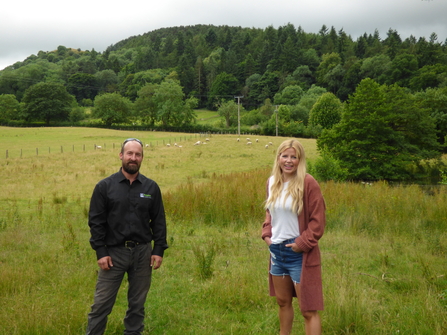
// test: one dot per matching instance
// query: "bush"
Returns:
(328, 168)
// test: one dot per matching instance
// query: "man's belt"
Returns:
(132, 244)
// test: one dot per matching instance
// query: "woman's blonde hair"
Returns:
(296, 184)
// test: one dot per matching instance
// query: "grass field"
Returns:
(383, 252)
(205, 116)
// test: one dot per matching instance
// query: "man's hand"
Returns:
(105, 263)
(156, 261)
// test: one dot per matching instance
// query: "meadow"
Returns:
(383, 252)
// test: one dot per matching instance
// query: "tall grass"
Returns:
(383, 251)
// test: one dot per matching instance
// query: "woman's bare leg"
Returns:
(284, 295)
(312, 320)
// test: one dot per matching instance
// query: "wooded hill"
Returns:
(222, 61)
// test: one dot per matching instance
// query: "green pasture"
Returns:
(383, 252)
(205, 116)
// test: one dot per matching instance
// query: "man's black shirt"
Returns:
(120, 211)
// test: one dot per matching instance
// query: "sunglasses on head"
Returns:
(132, 139)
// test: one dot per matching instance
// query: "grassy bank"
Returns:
(383, 251)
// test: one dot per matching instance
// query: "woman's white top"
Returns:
(284, 220)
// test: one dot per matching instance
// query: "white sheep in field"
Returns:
(198, 143)
(175, 145)
(147, 145)
(248, 139)
(207, 139)
(98, 147)
(238, 140)
(257, 140)
(270, 143)
(249, 143)
(168, 145)
(266, 146)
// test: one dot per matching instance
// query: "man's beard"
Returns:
(131, 168)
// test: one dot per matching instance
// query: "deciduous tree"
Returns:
(383, 134)
(112, 108)
(9, 107)
(47, 102)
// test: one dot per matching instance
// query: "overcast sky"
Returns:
(26, 27)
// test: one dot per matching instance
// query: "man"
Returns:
(126, 215)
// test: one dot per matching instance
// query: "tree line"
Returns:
(287, 80)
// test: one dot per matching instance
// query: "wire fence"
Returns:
(28, 152)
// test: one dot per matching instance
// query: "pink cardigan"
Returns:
(311, 221)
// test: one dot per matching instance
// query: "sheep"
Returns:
(257, 140)
(98, 147)
(198, 143)
(266, 146)
(207, 139)
(175, 145)
(248, 139)
(168, 145)
(270, 143)
(249, 143)
(147, 145)
(238, 139)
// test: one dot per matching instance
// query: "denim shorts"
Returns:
(285, 261)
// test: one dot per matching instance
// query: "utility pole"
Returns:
(276, 112)
(239, 114)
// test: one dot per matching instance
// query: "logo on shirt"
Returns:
(142, 195)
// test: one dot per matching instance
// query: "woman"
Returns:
(295, 220)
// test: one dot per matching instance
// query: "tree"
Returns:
(290, 95)
(265, 88)
(112, 108)
(435, 100)
(402, 69)
(47, 102)
(383, 134)
(145, 104)
(83, 86)
(304, 76)
(428, 76)
(107, 81)
(172, 109)
(326, 112)
(376, 68)
(328, 62)
(9, 107)
(225, 86)
(228, 109)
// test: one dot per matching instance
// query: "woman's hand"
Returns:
(294, 247)
(268, 240)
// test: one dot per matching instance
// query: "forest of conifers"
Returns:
(305, 82)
